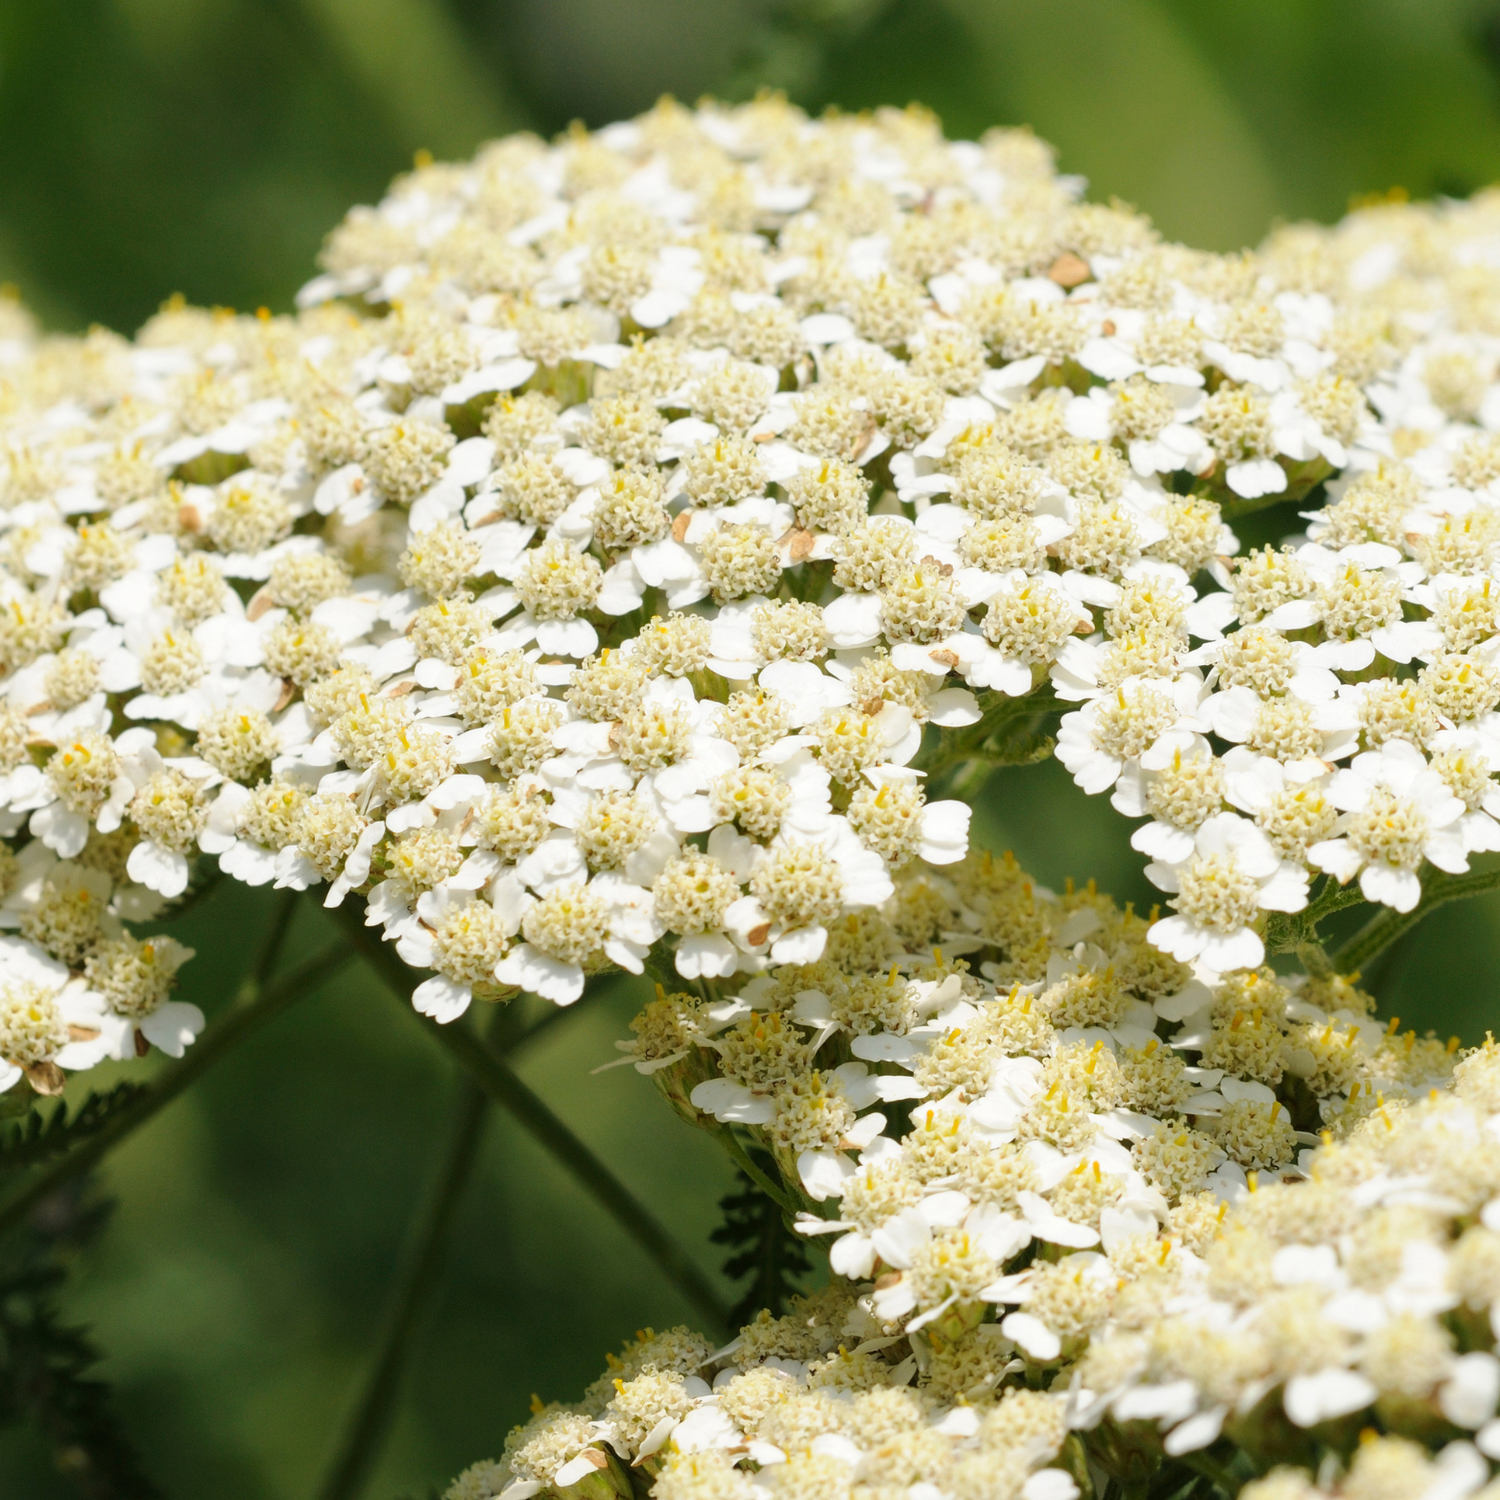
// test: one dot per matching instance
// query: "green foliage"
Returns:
(38, 1138)
(763, 1245)
(46, 1363)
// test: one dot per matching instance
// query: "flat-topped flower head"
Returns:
(687, 510)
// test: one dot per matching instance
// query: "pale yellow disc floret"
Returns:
(83, 770)
(134, 977)
(238, 743)
(798, 886)
(32, 1029)
(558, 582)
(569, 923)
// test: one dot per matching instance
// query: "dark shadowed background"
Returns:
(205, 146)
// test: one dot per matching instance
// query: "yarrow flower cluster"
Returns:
(1082, 1259)
(1331, 710)
(1062, 1084)
(582, 566)
(1359, 1299)
(818, 1402)
(610, 564)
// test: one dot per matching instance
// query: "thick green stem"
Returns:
(1383, 929)
(420, 1274)
(506, 1087)
(255, 1005)
(370, 1420)
(364, 1435)
(1315, 960)
(746, 1163)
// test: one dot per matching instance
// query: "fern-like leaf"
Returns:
(764, 1247)
(45, 1384)
(40, 1137)
(46, 1364)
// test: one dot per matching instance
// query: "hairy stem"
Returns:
(1297, 932)
(1383, 929)
(1010, 732)
(370, 1420)
(1315, 960)
(256, 1004)
(506, 1087)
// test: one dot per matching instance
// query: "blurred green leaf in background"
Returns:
(205, 146)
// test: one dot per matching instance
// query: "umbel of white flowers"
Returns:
(614, 562)
(1089, 1262)
(579, 572)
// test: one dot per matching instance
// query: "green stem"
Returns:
(984, 740)
(1297, 932)
(1214, 1472)
(254, 1006)
(506, 1087)
(1383, 929)
(746, 1163)
(1315, 959)
(370, 1420)
(270, 953)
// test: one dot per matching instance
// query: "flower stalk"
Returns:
(506, 1088)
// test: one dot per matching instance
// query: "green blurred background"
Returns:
(205, 146)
